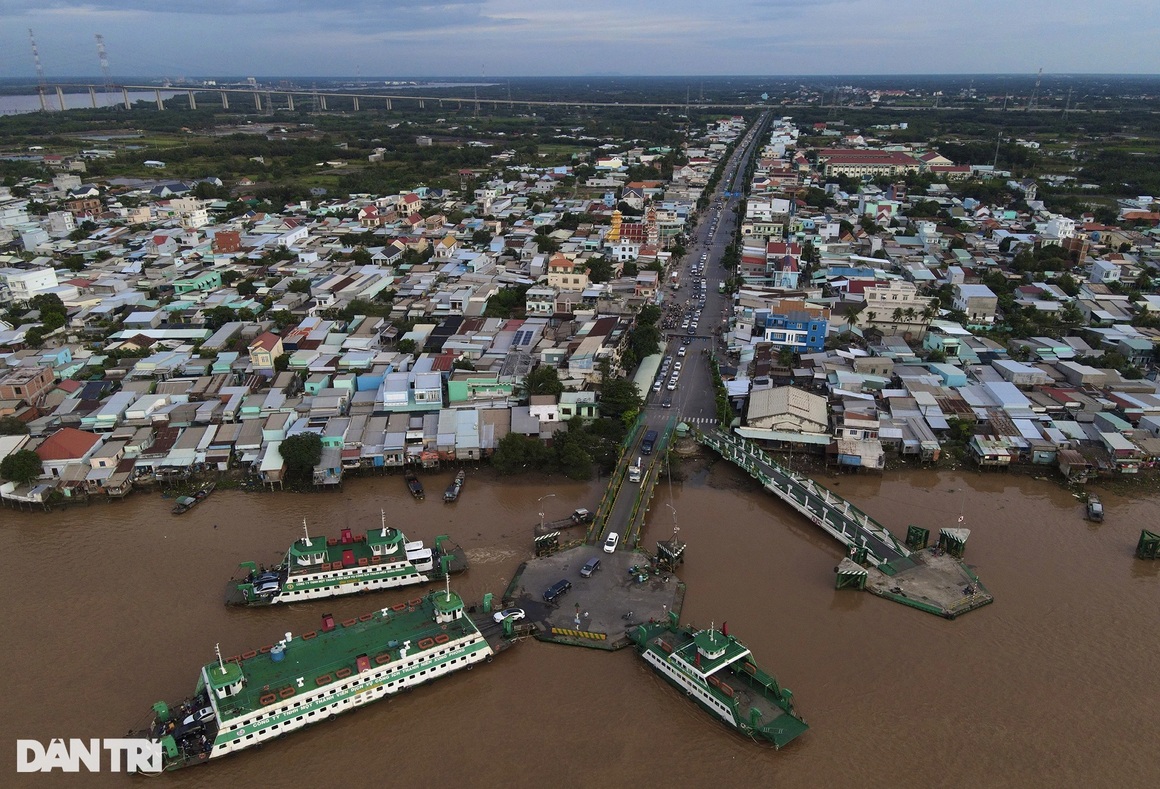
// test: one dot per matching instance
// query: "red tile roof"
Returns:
(67, 444)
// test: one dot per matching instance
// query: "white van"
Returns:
(634, 470)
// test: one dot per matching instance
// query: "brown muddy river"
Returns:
(111, 607)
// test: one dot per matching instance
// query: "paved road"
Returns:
(694, 399)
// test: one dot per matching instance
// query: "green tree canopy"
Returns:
(599, 270)
(21, 467)
(544, 380)
(301, 452)
(11, 426)
(517, 453)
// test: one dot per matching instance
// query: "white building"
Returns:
(18, 286)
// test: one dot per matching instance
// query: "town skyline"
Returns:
(520, 38)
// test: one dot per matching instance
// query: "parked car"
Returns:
(556, 589)
(590, 566)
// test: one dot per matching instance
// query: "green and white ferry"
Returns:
(255, 696)
(318, 567)
(719, 673)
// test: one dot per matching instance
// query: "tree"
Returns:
(11, 426)
(544, 380)
(517, 453)
(618, 396)
(361, 256)
(406, 346)
(299, 286)
(218, 316)
(52, 310)
(21, 467)
(599, 270)
(301, 453)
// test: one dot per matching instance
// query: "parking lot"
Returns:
(608, 602)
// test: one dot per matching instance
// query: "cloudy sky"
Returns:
(579, 37)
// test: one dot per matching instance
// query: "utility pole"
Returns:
(39, 72)
(103, 56)
(1034, 103)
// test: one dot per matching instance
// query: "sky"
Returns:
(424, 38)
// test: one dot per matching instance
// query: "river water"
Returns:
(16, 105)
(113, 606)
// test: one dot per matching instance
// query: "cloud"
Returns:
(560, 37)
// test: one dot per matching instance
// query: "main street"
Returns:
(693, 399)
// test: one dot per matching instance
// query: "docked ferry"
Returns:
(719, 673)
(255, 696)
(317, 567)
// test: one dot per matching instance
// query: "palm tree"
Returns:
(872, 316)
(897, 314)
(909, 314)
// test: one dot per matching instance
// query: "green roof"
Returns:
(316, 654)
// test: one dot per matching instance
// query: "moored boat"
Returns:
(413, 484)
(1095, 508)
(186, 503)
(260, 694)
(452, 492)
(318, 567)
(719, 673)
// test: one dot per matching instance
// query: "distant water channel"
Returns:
(16, 105)
(113, 606)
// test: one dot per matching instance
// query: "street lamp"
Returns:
(545, 496)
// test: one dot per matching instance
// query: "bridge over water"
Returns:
(932, 579)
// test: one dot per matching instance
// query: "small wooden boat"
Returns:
(452, 492)
(186, 503)
(1095, 509)
(413, 484)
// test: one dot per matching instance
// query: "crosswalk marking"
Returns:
(699, 420)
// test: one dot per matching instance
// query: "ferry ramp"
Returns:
(836, 516)
(625, 504)
(933, 579)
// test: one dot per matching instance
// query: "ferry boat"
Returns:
(452, 492)
(413, 484)
(719, 673)
(317, 567)
(186, 503)
(257, 695)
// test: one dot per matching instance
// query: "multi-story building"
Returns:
(978, 302)
(857, 163)
(793, 324)
(894, 307)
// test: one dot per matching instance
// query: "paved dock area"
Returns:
(930, 581)
(607, 603)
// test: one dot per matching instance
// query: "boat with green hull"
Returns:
(319, 567)
(257, 695)
(719, 673)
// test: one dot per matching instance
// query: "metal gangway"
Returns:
(838, 517)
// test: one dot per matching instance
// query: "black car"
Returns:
(556, 589)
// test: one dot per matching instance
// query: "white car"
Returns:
(515, 614)
(611, 542)
(681, 351)
(672, 385)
